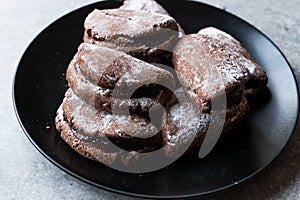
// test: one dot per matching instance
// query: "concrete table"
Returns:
(26, 174)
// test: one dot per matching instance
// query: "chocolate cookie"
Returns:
(258, 79)
(209, 68)
(108, 79)
(141, 34)
(184, 126)
(91, 132)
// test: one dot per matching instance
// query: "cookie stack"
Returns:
(114, 88)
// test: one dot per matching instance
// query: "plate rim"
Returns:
(131, 194)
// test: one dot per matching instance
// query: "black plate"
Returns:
(40, 85)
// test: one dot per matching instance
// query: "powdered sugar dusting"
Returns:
(235, 49)
(82, 87)
(94, 60)
(144, 5)
(90, 121)
(106, 23)
(213, 32)
(142, 73)
(210, 63)
(187, 119)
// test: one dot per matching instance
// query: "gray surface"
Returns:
(26, 174)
